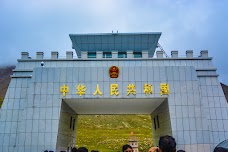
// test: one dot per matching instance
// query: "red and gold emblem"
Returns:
(114, 72)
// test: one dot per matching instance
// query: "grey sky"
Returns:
(44, 25)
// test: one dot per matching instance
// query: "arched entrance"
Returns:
(71, 108)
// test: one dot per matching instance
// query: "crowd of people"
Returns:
(166, 144)
(82, 149)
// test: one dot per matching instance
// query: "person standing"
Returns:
(127, 148)
(166, 144)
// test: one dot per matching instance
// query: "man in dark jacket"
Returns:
(166, 144)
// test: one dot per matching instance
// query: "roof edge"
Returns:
(137, 33)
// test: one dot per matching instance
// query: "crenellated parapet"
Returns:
(40, 55)
(129, 54)
(201, 62)
(189, 54)
(54, 55)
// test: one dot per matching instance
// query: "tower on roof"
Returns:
(115, 42)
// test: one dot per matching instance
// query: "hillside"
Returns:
(5, 73)
(107, 133)
(225, 90)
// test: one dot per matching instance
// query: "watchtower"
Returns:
(133, 142)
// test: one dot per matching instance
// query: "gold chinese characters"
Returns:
(147, 89)
(164, 88)
(64, 90)
(81, 89)
(97, 91)
(131, 89)
(114, 90)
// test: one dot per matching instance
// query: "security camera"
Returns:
(42, 63)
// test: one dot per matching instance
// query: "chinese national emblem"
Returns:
(114, 72)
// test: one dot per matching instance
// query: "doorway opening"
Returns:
(108, 133)
(107, 124)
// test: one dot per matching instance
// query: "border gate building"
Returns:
(115, 73)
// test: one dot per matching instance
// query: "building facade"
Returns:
(116, 73)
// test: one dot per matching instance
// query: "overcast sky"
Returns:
(45, 25)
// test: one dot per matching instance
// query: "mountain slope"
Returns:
(5, 73)
(108, 133)
(225, 90)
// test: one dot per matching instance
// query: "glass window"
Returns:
(155, 124)
(91, 54)
(122, 54)
(70, 122)
(73, 124)
(107, 55)
(158, 122)
(137, 54)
